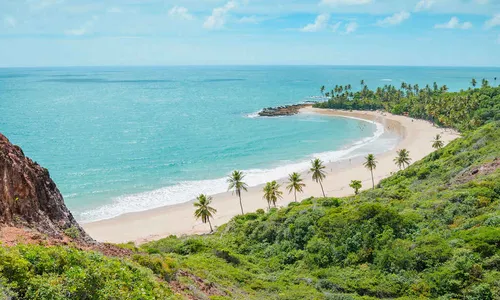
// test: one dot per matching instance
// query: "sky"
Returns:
(37, 33)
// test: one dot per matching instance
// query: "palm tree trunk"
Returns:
(373, 181)
(320, 184)
(295, 193)
(241, 205)
(211, 230)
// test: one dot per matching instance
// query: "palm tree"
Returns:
(318, 173)
(403, 158)
(371, 164)
(362, 82)
(236, 184)
(203, 210)
(437, 143)
(473, 82)
(272, 193)
(295, 184)
(356, 185)
(322, 89)
(484, 83)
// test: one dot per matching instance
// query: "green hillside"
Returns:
(430, 231)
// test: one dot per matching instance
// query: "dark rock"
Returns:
(29, 197)
(287, 110)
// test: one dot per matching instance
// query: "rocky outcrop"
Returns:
(287, 110)
(30, 199)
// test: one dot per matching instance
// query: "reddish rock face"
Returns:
(29, 197)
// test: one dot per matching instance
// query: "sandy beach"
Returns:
(415, 136)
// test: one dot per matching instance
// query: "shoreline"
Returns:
(139, 227)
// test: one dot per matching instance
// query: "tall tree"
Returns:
(237, 185)
(473, 82)
(362, 82)
(272, 193)
(295, 184)
(370, 163)
(403, 158)
(437, 143)
(203, 209)
(318, 173)
(356, 185)
(485, 83)
(322, 90)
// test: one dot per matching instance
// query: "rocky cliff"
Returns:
(29, 198)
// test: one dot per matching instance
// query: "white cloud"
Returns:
(218, 17)
(319, 24)
(336, 26)
(345, 2)
(494, 21)
(115, 10)
(454, 23)
(249, 20)
(10, 21)
(424, 4)
(180, 12)
(351, 27)
(395, 19)
(84, 29)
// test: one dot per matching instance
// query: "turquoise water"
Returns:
(118, 140)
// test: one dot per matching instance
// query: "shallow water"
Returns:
(119, 140)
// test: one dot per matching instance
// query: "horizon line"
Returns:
(246, 65)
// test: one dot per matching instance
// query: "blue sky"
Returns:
(207, 32)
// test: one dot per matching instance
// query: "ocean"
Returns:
(126, 139)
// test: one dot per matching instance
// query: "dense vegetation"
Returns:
(464, 110)
(432, 230)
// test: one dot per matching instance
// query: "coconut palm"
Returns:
(295, 184)
(437, 143)
(318, 173)
(403, 158)
(371, 164)
(484, 83)
(203, 209)
(272, 193)
(237, 185)
(322, 90)
(473, 82)
(356, 185)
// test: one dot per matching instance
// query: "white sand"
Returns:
(416, 137)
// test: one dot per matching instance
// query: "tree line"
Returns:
(463, 110)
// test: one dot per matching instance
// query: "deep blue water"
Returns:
(122, 139)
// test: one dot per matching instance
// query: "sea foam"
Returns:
(188, 190)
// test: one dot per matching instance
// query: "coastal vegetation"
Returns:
(463, 110)
(203, 209)
(429, 231)
(403, 159)
(237, 185)
(295, 184)
(318, 172)
(356, 185)
(272, 193)
(371, 164)
(437, 143)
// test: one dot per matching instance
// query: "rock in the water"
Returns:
(287, 110)
(29, 198)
